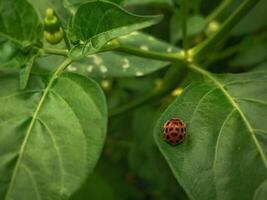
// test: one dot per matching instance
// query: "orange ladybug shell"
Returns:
(174, 131)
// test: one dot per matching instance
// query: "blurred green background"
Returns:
(131, 166)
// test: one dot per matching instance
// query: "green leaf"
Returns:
(51, 135)
(224, 153)
(19, 22)
(74, 4)
(25, 71)
(97, 22)
(116, 64)
(146, 2)
(10, 55)
(253, 21)
(196, 24)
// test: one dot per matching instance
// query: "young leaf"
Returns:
(51, 135)
(116, 64)
(97, 22)
(224, 153)
(19, 22)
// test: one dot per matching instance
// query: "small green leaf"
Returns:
(116, 64)
(224, 153)
(51, 135)
(19, 22)
(97, 22)
(25, 71)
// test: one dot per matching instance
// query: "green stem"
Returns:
(184, 7)
(218, 11)
(177, 56)
(225, 28)
(61, 52)
(66, 39)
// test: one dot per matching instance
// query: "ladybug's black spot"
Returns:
(181, 123)
(177, 141)
(167, 137)
(168, 123)
(177, 129)
(181, 137)
(170, 129)
(176, 123)
(182, 130)
(174, 134)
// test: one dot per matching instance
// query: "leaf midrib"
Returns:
(235, 105)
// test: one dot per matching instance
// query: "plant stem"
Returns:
(184, 7)
(61, 52)
(66, 39)
(218, 11)
(225, 28)
(178, 56)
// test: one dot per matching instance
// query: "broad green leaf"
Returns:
(51, 135)
(97, 22)
(117, 64)
(196, 24)
(19, 22)
(224, 153)
(96, 188)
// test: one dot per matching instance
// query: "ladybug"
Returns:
(174, 131)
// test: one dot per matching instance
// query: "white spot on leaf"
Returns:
(96, 59)
(139, 73)
(71, 68)
(126, 64)
(151, 38)
(144, 47)
(169, 49)
(90, 68)
(134, 33)
(103, 68)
